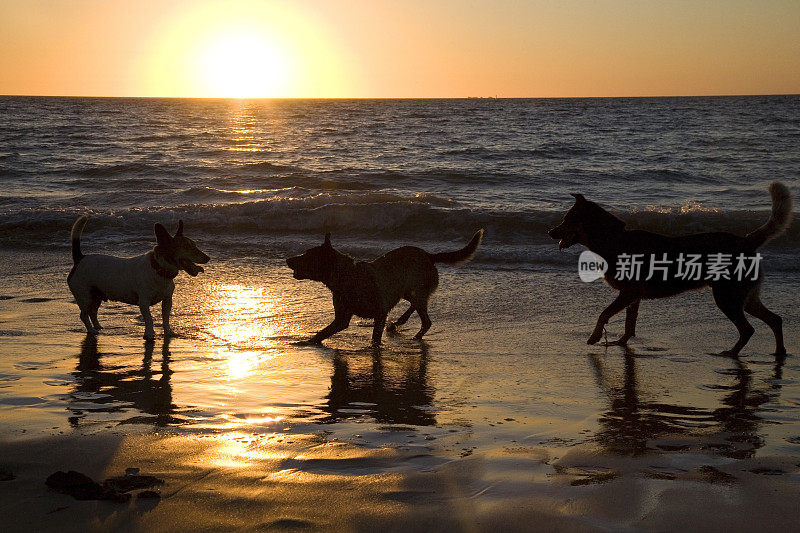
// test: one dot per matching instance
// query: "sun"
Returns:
(243, 63)
(243, 49)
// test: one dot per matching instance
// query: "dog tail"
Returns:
(75, 235)
(778, 221)
(461, 256)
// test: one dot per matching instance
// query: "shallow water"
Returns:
(505, 364)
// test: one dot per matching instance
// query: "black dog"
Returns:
(372, 289)
(601, 232)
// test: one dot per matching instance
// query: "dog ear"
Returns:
(179, 233)
(162, 235)
(327, 239)
(578, 197)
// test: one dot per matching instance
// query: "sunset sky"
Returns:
(400, 48)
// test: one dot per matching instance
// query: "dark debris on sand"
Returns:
(82, 487)
(116, 489)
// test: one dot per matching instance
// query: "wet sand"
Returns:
(306, 482)
(503, 419)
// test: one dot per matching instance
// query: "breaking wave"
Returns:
(376, 216)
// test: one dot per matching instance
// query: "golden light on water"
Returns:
(235, 422)
(241, 364)
(246, 328)
(248, 313)
(243, 133)
(240, 450)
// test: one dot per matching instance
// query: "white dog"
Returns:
(143, 280)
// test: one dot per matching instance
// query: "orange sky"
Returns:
(446, 48)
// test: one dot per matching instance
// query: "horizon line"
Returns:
(721, 95)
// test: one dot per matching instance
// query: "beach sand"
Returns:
(502, 420)
(301, 482)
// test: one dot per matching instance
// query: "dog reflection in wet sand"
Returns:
(372, 289)
(601, 232)
(141, 394)
(636, 423)
(394, 390)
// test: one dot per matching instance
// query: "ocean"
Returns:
(279, 174)
(502, 405)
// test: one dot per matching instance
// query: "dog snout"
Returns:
(555, 233)
(292, 262)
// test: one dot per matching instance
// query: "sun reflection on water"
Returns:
(246, 131)
(245, 325)
(240, 450)
(240, 364)
(246, 314)
(242, 422)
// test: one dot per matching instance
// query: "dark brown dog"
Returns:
(601, 232)
(372, 289)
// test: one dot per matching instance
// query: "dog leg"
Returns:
(340, 322)
(85, 305)
(623, 300)
(377, 330)
(166, 309)
(731, 302)
(631, 314)
(149, 331)
(400, 321)
(94, 307)
(422, 311)
(758, 310)
(88, 323)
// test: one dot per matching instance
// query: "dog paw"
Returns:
(594, 338)
(619, 342)
(170, 334)
(309, 342)
(392, 327)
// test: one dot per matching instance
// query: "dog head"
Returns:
(583, 220)
(316, 263)
(180, 250)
